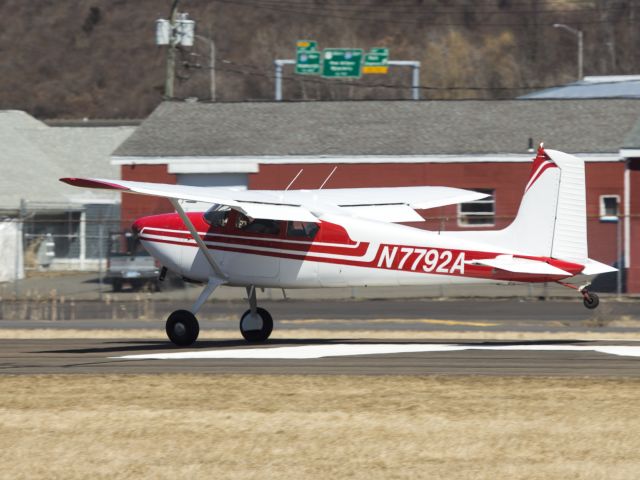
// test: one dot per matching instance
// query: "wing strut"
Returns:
(198, 239)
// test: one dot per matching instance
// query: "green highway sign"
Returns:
(376, 61)
(377, 57)
(306, 46)
(307, 63)
(342, 62)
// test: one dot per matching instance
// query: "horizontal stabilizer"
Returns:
(510, 263)
(593, 267)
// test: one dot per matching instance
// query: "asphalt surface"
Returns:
(384, 314)
(349, 355)
(345, 357)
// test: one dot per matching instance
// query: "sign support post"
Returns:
(279, 63)
(414, 64)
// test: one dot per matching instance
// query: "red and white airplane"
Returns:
(352, 237)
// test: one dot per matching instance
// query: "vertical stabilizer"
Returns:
(532, 231)
(551, 220)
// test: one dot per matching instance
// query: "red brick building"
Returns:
(481, 145)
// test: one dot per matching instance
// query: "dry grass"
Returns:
(188, 426)
(158, 334)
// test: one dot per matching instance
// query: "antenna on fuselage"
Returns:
(328, 177)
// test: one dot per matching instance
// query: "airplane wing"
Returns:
(256, 206)
(391, 204)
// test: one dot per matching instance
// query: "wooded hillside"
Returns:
(97, 58)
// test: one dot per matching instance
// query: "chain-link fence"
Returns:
(60, 237)
(82, 239)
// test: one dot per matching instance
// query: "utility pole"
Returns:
(171, 53)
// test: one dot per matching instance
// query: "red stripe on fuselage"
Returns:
(354, 249)
(435, 261)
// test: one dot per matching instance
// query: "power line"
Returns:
(294, 9)
(412, 8)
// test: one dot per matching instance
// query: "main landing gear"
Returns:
(256, 323)
(182, 328)
(589, 299)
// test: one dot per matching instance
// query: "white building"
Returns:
(33, 157)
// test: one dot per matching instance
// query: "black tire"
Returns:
(182, 328)
(116, 285)
(591, 301)
(255, 335)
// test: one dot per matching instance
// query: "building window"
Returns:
(609, 208)
(479, 213)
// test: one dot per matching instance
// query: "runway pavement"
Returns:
(350, 355)
(318, 356)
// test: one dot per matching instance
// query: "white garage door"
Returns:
(237, 180)
(214, 179)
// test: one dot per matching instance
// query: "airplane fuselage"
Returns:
(285, 255)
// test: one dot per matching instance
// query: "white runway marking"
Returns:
(347, 350)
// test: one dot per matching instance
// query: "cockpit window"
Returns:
(217, 216)
(302, 229)
(257, 225)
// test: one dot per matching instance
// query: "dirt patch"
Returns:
(190, 426)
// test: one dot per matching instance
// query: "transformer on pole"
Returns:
(178, 30)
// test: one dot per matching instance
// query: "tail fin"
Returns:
(551, 220)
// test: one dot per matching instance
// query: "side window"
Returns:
(609, 208)
(306, 230)
(257, 225)
(479, 213)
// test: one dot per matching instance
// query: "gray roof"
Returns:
(380, 128)
(632, 138)
(33, 156)
(623, 86)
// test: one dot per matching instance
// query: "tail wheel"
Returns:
(590, 300)
(256, 327)
(182, 328)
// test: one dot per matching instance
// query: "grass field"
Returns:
(190, 426)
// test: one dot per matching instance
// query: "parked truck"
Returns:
(129, 265)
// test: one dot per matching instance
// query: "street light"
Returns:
(577, 33)
(212, 65)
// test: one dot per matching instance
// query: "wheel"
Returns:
(182, 328)
(256, 328)
(116, 285)
(591, 301)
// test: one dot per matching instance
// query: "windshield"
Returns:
(217, 215)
